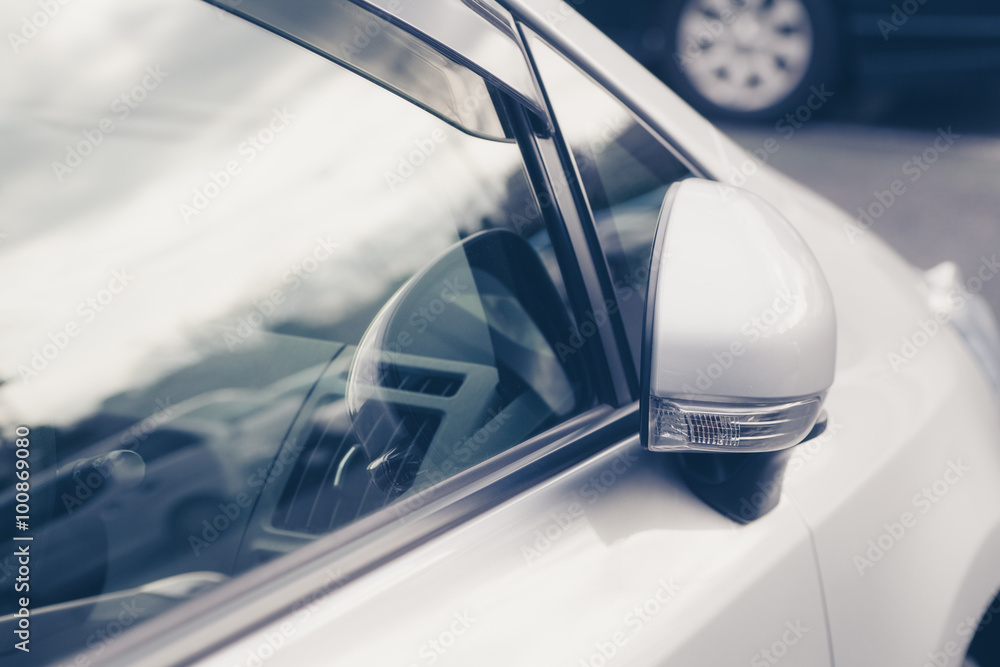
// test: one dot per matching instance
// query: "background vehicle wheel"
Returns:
(748, 59)
(984, 651)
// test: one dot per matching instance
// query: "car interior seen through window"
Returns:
(279, 311)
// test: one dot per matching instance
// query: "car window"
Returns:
(250, 296)
(624, 170)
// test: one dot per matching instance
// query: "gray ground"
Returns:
(951, 211)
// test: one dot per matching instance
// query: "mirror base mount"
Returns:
(743, 487)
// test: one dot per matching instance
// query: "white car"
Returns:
(380, 332)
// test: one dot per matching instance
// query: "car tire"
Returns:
(749, 60)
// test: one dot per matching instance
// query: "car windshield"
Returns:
(200, 220)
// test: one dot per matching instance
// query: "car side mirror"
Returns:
(739, 340)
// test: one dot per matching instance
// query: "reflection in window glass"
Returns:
(201, 221)
(625, 172)
(387, 54)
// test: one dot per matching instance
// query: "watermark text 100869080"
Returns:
(22, 552)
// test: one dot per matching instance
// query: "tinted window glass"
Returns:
(625, 172)
(202, 221)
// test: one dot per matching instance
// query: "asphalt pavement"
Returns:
(922, 173)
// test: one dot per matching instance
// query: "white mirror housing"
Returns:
(739, 340)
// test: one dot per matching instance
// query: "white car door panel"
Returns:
(890, 507)
(611, 560)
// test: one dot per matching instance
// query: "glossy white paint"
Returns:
(498, 594)
(613, 555)
(895, 426)
(741, 309)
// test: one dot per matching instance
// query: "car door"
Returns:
(329, 295)
(603, 554)
(350, 379)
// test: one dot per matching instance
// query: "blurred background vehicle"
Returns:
(761, 59)
(846, 96)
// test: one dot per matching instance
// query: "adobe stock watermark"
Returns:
(901, 13)
(634, 284)
(952, 652)
(753, 330)
(410, 160)
(8, 568)
(230, 512)
(271, 641)
(923, 502)
(33, 24)
(140, 432)
(220, 179)
(928, 328)
(121, 107)
(599, 484)
(529, 214)
(792, 122)
(564, 522)
(634, 621)
(914, 169)
(462, 452)
(559, 524)
(408, 163)
(91, 478)
(578, 334)
(419, 320)
(805, 452)
(362, 35)
(711, 27)
(88, 311)
(99, 640)
(273, 638)
(612, 128)
(802, 454)
(556, 16)
(792, 634)
(224, 15)
(435, 647)
(266, 307)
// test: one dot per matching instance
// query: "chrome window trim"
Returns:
(562, 28)
(212, 621)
